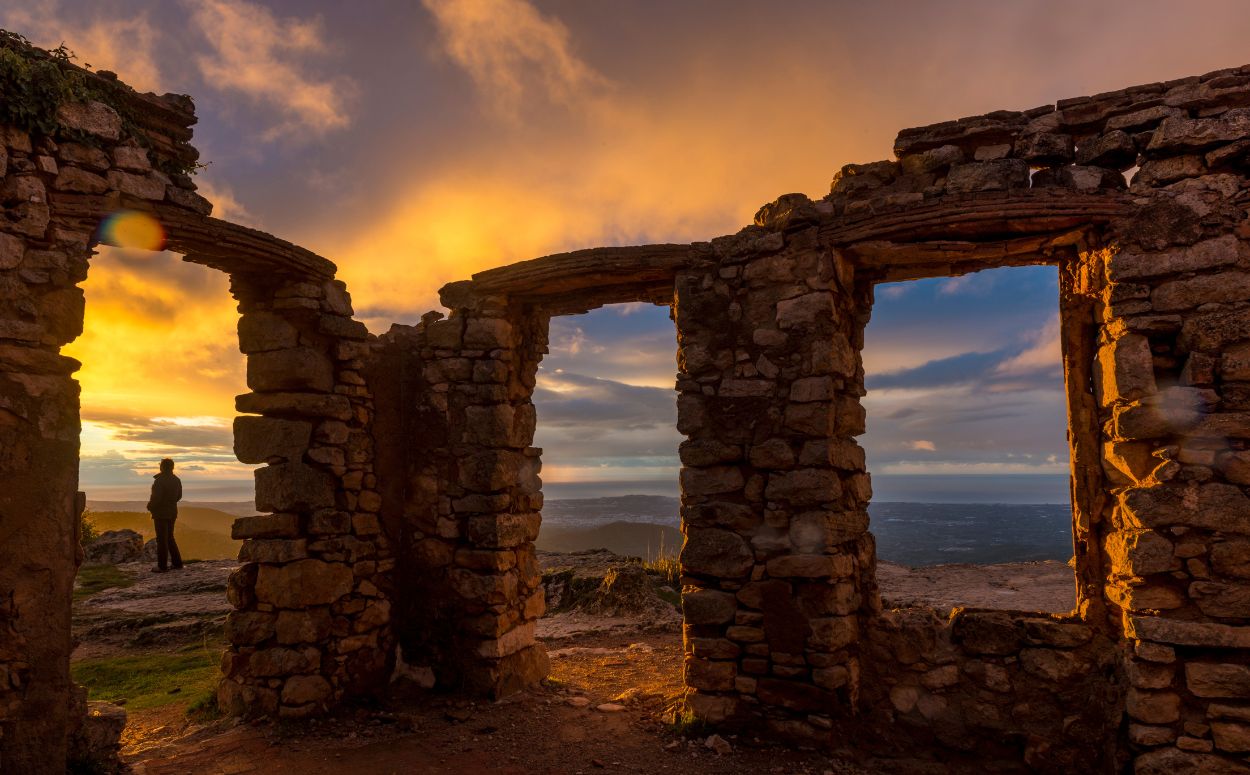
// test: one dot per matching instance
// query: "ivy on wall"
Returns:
(35, 82)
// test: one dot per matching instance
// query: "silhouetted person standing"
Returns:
(166, 492)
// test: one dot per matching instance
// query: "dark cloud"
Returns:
(576, 401)
(165, 436)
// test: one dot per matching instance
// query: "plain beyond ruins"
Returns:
(402, 493)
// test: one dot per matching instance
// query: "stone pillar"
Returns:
(476, 496)
(312, 624)
(40, 310)
(777, 564)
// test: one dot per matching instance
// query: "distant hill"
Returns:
(632, 539)
(202, 533)
(237, 508)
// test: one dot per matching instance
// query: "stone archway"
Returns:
(421, 440)
(306, 418)
(783, 624)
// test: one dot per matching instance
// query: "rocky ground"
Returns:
(613, 634)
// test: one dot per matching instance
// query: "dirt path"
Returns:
(608, 706)
(554, 730)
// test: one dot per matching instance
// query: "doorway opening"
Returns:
(967, 442)
(161, 367)
(611, 529)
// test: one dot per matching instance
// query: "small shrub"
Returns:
(87, 531)
(685, 724)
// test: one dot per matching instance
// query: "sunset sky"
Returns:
(414, 143)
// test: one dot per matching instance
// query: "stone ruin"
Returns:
(403, 495)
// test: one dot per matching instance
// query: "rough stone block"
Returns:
(273, 550)
(294, 369)
(261, 439)
(1173, 761)
(1126, 370)
(1153, 707)
(1182, 633)
(708, 606)
(1204, 289)
(1045, 148)
(303, 583)
(265, 526)
(501, 531)
(487, 334)
(304, 689)
(490, 470)
(293, 487)
(311, 626)
(1138, 553)
(935, 160)
(262, 331)
(91, 117)
(249, 628)
(1207, 679)
(999, 175)
(1209, 254)
(829, 634)
(807, 486)
(810, 566)
(1176, 133)
(1114, 149)
(1213, 506)
(716, 553)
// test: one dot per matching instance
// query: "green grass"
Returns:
(152, 680)
(684, 724)
(97, 578)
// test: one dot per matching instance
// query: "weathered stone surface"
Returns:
(303, 583)
(708, 606)
(1213, 506)
(1114, 149)
(718, 553)
(261, 439)
(1001, 175)
(1126, 370)
(1204, 289)
(1171, 761)
(261, 331)
(1139, 553)
(303, 689)
(1234, 738)
(1208, 254)
(1153, 707)
(91, 117)
(1176, 133)
(293, 486)
(1206, 679)
(296, 369)
(266, 526)
(113, 547)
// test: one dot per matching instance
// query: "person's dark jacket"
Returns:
(166, 492)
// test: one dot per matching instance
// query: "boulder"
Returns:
(114, 547)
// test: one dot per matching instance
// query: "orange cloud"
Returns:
(123, 45)
(259, 55)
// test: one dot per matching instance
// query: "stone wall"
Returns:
(44, 253)
(1138, 197)
(313, 609)
(467, 512)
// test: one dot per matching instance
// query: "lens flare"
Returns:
(132, 229)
